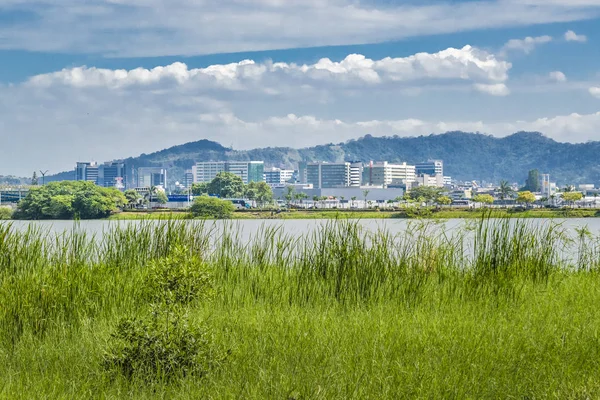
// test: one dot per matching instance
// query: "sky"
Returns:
(106, 79)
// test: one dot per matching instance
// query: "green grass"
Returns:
(495, 310)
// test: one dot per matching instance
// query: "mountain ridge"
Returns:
(467, 156)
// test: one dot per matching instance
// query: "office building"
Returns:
(278, 176)
(152, 176)
(429, 180)
(112, 174)
(356, 172)
(328, 175)
(430, 167)
(86, 171)
(188, 178)
(386, 174)
(249, 171)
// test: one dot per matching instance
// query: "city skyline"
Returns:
(287, 73)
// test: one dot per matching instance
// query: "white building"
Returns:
(429, 180)
(278, 176)
(384, 174)
(249, 171)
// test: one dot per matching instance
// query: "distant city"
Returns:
(383, 181)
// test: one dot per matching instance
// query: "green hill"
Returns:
(467, 156)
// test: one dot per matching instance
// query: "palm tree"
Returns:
(505, 191)
(151, 192)
(353, 198)
(365, 194)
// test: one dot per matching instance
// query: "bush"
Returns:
(211, 207)
(5, 213)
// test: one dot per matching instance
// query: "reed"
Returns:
(497, 308)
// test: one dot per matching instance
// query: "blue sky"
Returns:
(105, 79)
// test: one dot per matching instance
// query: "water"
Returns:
(246, 228)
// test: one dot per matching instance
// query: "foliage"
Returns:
(260, 192)
(483, 199)
(5, 213)
(161, 197)
(70, 199)
(444, 200)
(533, 182)
(132, 197)
(425, 194)
(199, 189)
(505, 190)
(525, 197)
(572, 197)
(226, 185)
(212, 207)
(34, 179)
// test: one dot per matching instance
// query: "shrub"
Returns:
(5, 213)
(211, 207)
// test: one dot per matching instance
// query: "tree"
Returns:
(444, 200)
(365, 195)
(212, 207)
(68, 200)
(572, 197)
(226, 185)
(34, 179)
(425, 194)
(132, 197)
(505, 190)
(533, 182)
(353, 198)
(260, 192)
(525, 197)
(161, 197)
(483, 199)
(5, 213)
(198, 189)
(289, 195)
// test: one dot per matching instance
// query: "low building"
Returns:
(249, 171)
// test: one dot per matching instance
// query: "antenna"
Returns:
(43, 173)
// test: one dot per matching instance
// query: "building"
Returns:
(278, 176)
(188, 179)
(249, 171)
(430, 167)
(386, 174)
(428, 180)
(356, 172)
(375, 195)
(112, 174)
(87, 171)
(328, 175)
(152, 176)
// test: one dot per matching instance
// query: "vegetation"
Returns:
(68, 200)
(5, 213)
(212, 207)
(226, 185)
(159, 310)
(484, 199)
(426, 194)
(572, 197)
(525, 197)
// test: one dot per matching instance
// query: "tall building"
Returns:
(112, 174)
(188, 178)
(356, 172)
(328, 175)
(86, 171)
(278, 176)
(249, 171)
(384, 174)
(430, 167)
(152, 176)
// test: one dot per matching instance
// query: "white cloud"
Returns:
(527, 44)
(466, 64)
(190, 27)
(571, 36)
(557, 76)
(498, 89)
(595, 91)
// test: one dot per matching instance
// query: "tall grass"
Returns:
(68, 291)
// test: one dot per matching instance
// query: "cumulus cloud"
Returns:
(595, 91)
(190, 27)
(527, 44)
(465, 64)
(557, 76)
(571, 36)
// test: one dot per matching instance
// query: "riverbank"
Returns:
(341, 313)
(371, 214)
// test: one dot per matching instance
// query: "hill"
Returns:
(467, 156)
